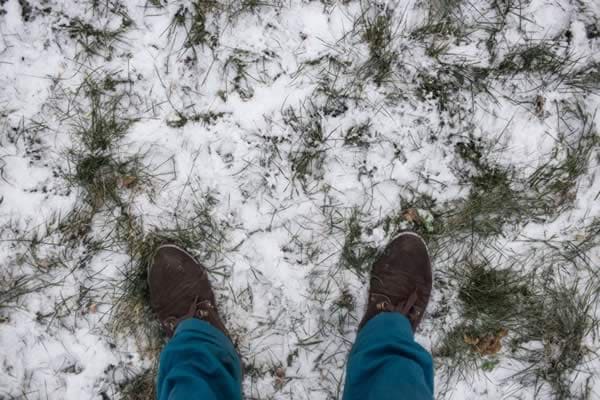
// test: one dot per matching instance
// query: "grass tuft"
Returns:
(359, 135)
(198, 33)
(442, 87)
(101, 124)
(498, 195)
(140, 387)
(308, 155)
(539, 59)
(206, 118)
(537, 318)
(567, 313)
(357, 255)
(96, 41)
(337, 84)
(377, 32)
(443, 22)
(493, 199)
(195, 20)
(489, 293)
(104, 123)
(586, 79)
(13, 286)
(557, 178)
(104, 177)
(494, 302)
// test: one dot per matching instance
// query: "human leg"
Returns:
(385, 361)
(200, 360)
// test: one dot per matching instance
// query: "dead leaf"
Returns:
(280, 372)
(488, 344)
(470, 340)
(127, 181)
(411, 215)
(540, 101)
(280, 378)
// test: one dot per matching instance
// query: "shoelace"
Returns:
(407, 308)
(198, 309)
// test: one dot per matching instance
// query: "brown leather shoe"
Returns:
(401, 280)
(180, 289)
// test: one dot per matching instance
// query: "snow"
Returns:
(54, 347)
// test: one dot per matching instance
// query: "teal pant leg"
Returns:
(199, 362)
(387, 363)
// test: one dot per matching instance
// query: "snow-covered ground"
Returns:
(273, 130)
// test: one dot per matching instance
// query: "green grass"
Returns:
(499, 195)
(491, 300)
(156, 3)
(434, 88)
(110, 8)
(359, 135)
(238, 9)
(491, 204)
(338, 86)
(493, 200)
(538, 307)
(307, 155)
(195, 21)
(586, 78)
(414, 215)
(443, 22)
(377, 31)
(206, 118)
(533, 307)
(566, 315)
(570, 158)
(103, 178)
(575, 251)
(488, 293)
(539, 59)
(356, 255)
(141, 386)
(39, 252)
(198, 33)
(449, 85)
(96, 41)
(14, 285)
(441, 28)
(236, 66)
(96, 164)
(102, 122)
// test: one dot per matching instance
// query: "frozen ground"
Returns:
(283, 143)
